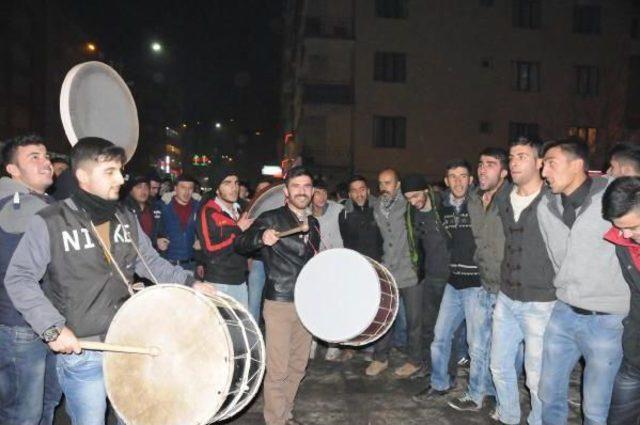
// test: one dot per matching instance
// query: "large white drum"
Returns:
(211, 360)
(344, 297)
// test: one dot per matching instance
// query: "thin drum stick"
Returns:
(101, 346)
(302, 228)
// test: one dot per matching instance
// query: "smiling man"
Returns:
(621, 206)
(74, 247)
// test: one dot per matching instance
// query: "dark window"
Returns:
(634, 28)
(391, 9)
(390, 67)
(527, 13)
(486, 3)
(389, 132)
(588, 134)
(523, 129)
(485, 127)
(340, 94)
(587, 80)
(586, 19)
(526, 76)
(486, 62)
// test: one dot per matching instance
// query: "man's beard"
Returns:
(300, 201)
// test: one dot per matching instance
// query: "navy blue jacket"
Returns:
(180, 241)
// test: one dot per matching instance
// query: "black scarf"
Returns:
(99, 210)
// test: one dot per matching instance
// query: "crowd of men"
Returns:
(525, 267)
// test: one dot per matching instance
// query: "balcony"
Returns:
(325, 27)
(336, 94)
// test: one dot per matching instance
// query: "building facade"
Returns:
(411, 84)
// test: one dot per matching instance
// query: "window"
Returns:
(526, 13)
(588, 134)
(486, 3)
(587, 80)
(389, 132)
(390, 67)
(634, 28)
(485, 127)
(586, 19)
(486, 62)
(523, 129)
(396, 9)
(526, 76)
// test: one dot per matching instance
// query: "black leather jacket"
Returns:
(284, 260)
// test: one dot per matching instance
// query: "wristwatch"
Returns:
(51, 334)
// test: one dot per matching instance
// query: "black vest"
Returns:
(80, 281)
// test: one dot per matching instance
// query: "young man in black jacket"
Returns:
(621, 206)
(288, 342)
(74, 246)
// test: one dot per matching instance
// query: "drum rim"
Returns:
(240, 401)
(337, 251)
(65, 109)
(264, 192)
(207, 416)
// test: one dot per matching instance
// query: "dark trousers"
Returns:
(422, 303)
(625, 401)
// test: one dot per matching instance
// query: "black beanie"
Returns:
(219, 174)
(413, 183)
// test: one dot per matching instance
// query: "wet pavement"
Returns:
(341, 394)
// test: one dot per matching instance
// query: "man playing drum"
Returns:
(288, 342)
(82, 249)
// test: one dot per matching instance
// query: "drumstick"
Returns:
(101, 346)
(304, 227)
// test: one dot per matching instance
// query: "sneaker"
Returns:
(406, 370)
(464, 404)
(494, 415)
(423, 372)
(464, 362)
(376, 368)
(429, 394)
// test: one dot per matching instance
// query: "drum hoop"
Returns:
(267, 190)
(241, 399)
(206, 416)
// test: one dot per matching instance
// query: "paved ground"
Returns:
(340, 394)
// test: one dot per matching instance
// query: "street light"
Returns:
(218, 125)
(90, 47)
(156, 47)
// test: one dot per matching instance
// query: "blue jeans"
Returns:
(476, 305)
(625, 401)
(237, 292)
(513, 323)
(29, 390)
(399, 328)
(80, 376)
(569, 336)
(256, 281)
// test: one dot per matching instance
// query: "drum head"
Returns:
(190, 379)
(96, 102)
(337, 295)
(269, 199)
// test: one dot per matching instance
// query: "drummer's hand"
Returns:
(206, 288)
(163, 244)
(244, 222)
(269, 237)
(66, 342)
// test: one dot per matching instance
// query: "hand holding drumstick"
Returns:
(270, 236)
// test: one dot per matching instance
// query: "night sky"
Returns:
(221, 58)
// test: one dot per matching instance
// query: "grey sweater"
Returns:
(330, 236)
(395, 250)
(587, 270)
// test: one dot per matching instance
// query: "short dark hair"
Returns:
(297, 171)
(342, 189)
(186, 178)
(95, 149)
(456, 163)
(628, 153)
(10, 148)
(499, 154)
(356, 178)
(621, 197)
(534, 144)
(573, 146)
(59, 160)
(320, 184)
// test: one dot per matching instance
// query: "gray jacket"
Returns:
(395, 250)
(587, 270)
(330, 236)
(45, 253)
(488, 233)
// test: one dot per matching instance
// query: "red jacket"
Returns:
(216, 232)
